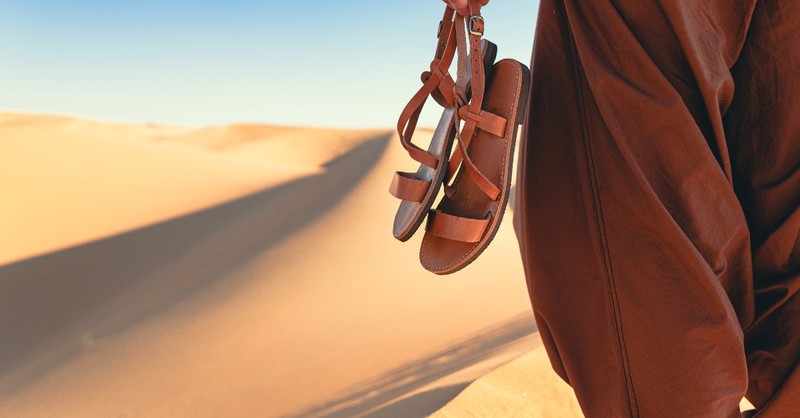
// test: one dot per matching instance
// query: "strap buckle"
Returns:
(476, 25)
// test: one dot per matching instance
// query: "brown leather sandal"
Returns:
(467, 218)
(418, 190)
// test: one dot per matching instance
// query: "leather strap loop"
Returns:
(456, 228)
(485, 121)
(405, 186)
(437, 95)
(445, 85)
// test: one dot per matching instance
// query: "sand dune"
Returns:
(231, 271)
(109, 178)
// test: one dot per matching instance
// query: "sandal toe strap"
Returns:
(406, 186)
(456, 228)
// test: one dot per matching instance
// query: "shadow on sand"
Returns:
(52, 306)
(369, 399)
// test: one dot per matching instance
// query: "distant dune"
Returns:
(241, 270)
(81, 180)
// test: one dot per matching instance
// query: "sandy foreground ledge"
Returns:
(525, 387)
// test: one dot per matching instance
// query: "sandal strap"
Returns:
(443, 35)
(445, 26)
(486, 185)
(472, 114)
(486, 121)
(407, 123)
(437, 83)
(406, 186)
(475, 24)
(456, 228)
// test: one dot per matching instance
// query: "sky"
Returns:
(350, 63)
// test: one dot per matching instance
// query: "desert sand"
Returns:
(239, 270)
(525, 387)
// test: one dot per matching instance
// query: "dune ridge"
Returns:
(128, 176)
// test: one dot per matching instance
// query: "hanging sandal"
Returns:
(468, 216)
(418, 190)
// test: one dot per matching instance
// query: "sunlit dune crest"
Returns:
(67, 181)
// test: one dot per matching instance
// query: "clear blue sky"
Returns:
(349, 63)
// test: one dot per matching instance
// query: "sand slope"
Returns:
(243, 271)
(525, 387)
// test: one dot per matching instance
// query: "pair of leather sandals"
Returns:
(483, 108)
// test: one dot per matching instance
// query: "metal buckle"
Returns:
(473, 20)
